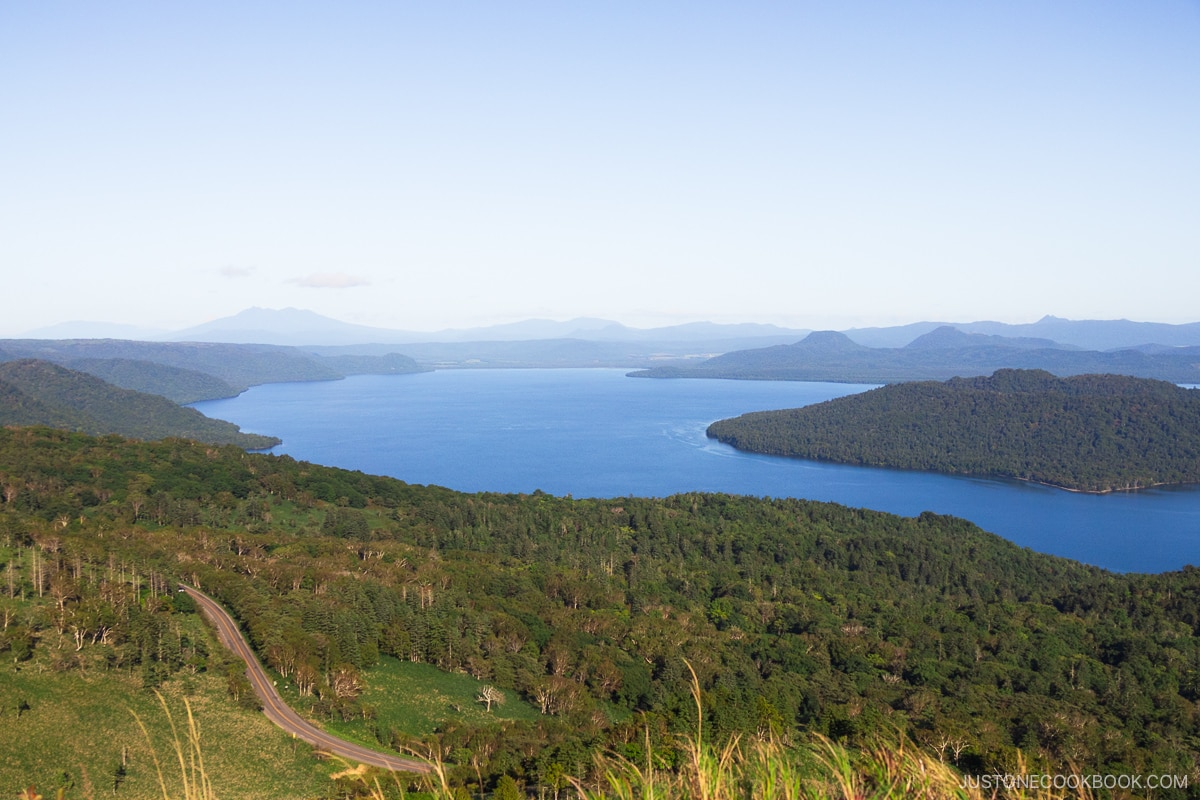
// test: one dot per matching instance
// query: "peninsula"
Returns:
(1091, 433)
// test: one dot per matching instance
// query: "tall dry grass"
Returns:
(194, 783)
(817, 770)
(892, 768)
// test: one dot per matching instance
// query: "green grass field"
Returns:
(79, 723)
(414, 699)
(74, 728)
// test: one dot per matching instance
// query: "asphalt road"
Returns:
(277, 711)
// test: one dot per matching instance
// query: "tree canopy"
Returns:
(34, 392)
(796, 615)
(1088, 432)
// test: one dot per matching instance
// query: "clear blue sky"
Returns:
(425, 165)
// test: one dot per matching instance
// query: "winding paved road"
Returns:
(278, 711)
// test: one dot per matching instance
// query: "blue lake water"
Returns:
(597, 433)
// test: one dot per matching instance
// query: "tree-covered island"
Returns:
(1092, 433)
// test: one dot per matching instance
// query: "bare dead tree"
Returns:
(490, 695)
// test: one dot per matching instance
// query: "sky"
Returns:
(431, 165)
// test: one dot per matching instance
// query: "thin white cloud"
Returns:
(330, 280)
(236, 272)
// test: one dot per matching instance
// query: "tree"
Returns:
(307, 678)
(490, 695)
(507, 789)
(345, 681)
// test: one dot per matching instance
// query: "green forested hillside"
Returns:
(187, 372)
(40, 393)
(238, 365)
(385, 364)
(174, 383)
(18, 407)
(797, 616)
(1089, 432)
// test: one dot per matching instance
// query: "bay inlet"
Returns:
(597, 433)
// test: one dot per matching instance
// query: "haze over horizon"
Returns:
(279, 324)
(813, 165)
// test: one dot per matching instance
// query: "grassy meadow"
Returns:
(77, 728)
(415, 699)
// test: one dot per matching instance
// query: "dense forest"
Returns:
(1090, 432)
(797, 616)
(34, 392)
(178, 385)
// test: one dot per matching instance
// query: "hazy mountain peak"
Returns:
(945, 336)
(285, 326)
(280, 320)
(829, 342)
(948, 337)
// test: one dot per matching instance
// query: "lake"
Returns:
(597, 433)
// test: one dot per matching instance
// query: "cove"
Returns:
(598, 433)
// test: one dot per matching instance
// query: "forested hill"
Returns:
(36, 392)
(189, 371)
(1092, 433)
(174, 383)
(797, 616)
(938, 355)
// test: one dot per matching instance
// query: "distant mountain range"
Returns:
(294, 344)
(940, 354)
(302, 328)
(1087, 334)
(299, 328)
